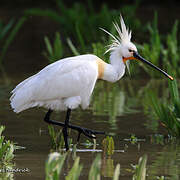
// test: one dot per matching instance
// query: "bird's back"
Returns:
(66, 78)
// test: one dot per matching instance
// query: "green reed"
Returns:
(81, 27)
(81, 23)
(95, 170)
(108, 146)
(54, 166)
(167, 159)
(54, 51)
(6, 149)
(75, 171)
(55, 161)
(140, 169)
(162, 50)
(57, 139)
(171, 54)
(167, 111)
(152, 49)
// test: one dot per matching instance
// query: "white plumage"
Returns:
(69, 82)
(66, 83)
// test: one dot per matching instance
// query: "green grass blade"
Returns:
(116, 172)
(174, 90)
(48, 46)
(75, 171)
(6, 29)
(140, 169)
(58, 47)
(94, 173)
(54, 165)
(80, 37)
(72, 47)
(2, 128)
(141, 174)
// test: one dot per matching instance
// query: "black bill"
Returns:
(137, 56)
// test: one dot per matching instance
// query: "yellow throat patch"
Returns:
(101, 67)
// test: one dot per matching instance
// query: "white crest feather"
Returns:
(124, 35)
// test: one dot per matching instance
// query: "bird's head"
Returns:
(126, 50)
(122, 45)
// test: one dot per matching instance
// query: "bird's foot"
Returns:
(87, 132)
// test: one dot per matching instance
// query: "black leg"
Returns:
(64, 125)
(65, 128)
(87, 132)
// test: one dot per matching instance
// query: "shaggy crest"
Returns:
(124, 35)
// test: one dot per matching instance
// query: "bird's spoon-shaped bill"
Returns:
(137, 56)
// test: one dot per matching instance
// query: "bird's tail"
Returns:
(21, 95)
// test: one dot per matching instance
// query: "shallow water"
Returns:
(115, 108)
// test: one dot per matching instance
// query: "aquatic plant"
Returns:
(89, 143)
(55, 163)
(53, 51)
(57, 139)
(95, 170)
(157, 139)
(161, 51)
(152, 50)
(108, 145)
(6, 149)
(140, 169)
(116, 172)
(81, 23)
(114, 100)
(72, 47)
(75, 171)
(97, 49)
(133, 139)
(168, 160)
(171, 54)
(168, 111)
(107, 166)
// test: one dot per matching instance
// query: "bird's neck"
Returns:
(116, 69)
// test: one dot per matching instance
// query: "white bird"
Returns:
(69, 82)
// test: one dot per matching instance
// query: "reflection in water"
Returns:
(107, 166)
(167, 162)
(109, 102)
(7, 174)
(112, 101)
(160, 88)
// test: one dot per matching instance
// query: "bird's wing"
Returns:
(71, 78)
(66, 78)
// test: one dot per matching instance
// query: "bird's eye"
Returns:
(130, 50)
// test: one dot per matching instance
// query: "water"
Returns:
(117, 109)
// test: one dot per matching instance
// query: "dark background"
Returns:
(25, 52)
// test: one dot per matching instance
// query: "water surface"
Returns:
(115, 108)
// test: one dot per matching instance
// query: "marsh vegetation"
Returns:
(140, 113)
